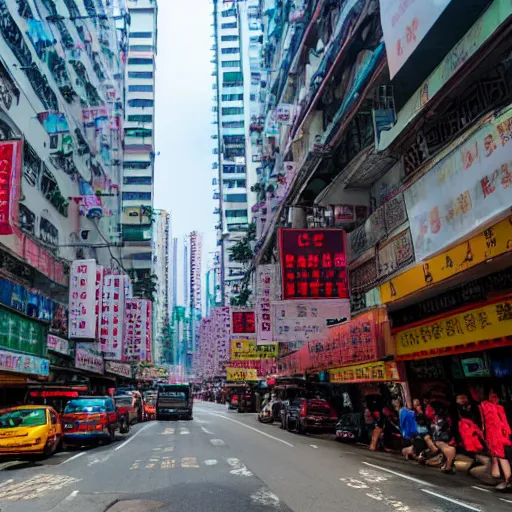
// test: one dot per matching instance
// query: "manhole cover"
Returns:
(135, 506)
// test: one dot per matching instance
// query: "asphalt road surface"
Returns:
(228, 462)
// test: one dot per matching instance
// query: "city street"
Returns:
(227, 462)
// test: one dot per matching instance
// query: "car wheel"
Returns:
(288, 427)
(281, 424)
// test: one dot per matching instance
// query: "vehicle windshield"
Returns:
(87, 406)
(23, 418)
(124, 401)
(150, 400)
(177, 395)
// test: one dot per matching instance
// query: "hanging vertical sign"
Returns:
(149, 331)
(243, 322)
(266, 291)
(10, 173)
(98, 299)
(82, 300)
(137, 331)
(112, 317)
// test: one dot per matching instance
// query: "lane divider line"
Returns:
(451, 500)
(401, 475)
(131, 438)
(253, 429)
(506, 501)
(72, 496)
(480, 488)
(73, 458)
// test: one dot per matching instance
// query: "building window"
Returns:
(236, 198)
(234, 183)
(138, 132)
(141, 103)
(141, 47)
(141, 35)
(138, 180)
(140, 61)
(232, 97)
(140, 74)
(229, 38)
(136, 196)
(253, 97)
(233, 124)
(230, 64)
(228, 25)
(227, 51)
(236, 214)
(228, 13)
(141, 118)
(136, 165)
(232, 153)
(231, 111)
(233, 169)
(140, 88)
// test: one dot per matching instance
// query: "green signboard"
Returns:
(21, 334)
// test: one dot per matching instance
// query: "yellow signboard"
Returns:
(492, 242)
(470, 326)
(247, 350)
(241, 374)
(366, 372)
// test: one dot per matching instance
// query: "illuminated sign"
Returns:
(82, 300)
(313, 263)
(243, 322)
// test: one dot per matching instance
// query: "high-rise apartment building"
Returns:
(139, 154)
(196, 249)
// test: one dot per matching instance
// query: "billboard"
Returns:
(112, 317)
(82, 300)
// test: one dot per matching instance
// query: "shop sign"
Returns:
(23, 363)
(313, 263)
(301, 321)
(369, 372)
(248, 349)
(88, 359)
(98, 299)
(491, 243)
(58, 345)
(395, 255)
(21, 334)
(82, 297)
(266, 291)
(148, 332)
(284, 113)
(468, 188)
(10, 174)
(112, 317)
(405, 24)
(486, 323)
(240, 375)
(243, 322)
(41, 259)
(431, 369)
(123, 370)
(137, 330)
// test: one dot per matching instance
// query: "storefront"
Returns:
(123, 372)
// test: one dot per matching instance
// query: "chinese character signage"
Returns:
(241, 375)
(305, 320)
(82, 300)
(267, 290)
(405, 24)
(243, 322)
(121, 369)
(10, 174)
(148, 331)
(489, 322)
(98, 298)
(112, 317)
(468, 188)
(23, 363)
(88, 359)
(247, 350)
(370, 372)
(58, 345)
(137, 331)
(313, 263)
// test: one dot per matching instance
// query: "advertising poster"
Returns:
(306, 320)
(243, 349)
(82, 300)
(313, 263)
(58, 345)
(112, 317)
(10, 174)
(88, 359)
(369, 372)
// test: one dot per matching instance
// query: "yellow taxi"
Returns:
(29, 431)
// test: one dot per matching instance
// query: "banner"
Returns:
(405, 23)
(137, 330)
(123, 370)
(489, 322)
(58, 345)
(369, 372)
(267, 290)
(23, 363)
(82, 300)
(112, 317)
(98, 299)
(305, 320)
(313, 263)
(491, 243)
(88, 359)
(468, 188)
(284, 113)
(395, 255)
(247, 350)
(10, 175)
(243, 321)
(148, 330)
(241, 375)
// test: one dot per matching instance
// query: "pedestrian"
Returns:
(443, 439)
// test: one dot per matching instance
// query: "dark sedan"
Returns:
(309, 415)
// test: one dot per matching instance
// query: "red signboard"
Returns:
(10, 182)
(313, 263)
(243, 322)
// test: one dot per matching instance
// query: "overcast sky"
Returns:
(183, 112)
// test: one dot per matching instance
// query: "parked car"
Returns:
(90, 419)
(127, 412)
(29, 431)
(310, 415)
(351, 428)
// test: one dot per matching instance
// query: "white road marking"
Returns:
(97, 460)
(7, 482)
(184, 431)
(238, 467)
(265, 498)
(401, 475)
(72, 458)
(314, 446)
(210, 462)
(451, 500)
(131, 438)
(252, 428)
(35, 487)
(72, 496)
(206, 431)
(480, 488)
(217, 442)
(506, 501)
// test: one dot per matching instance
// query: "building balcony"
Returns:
(140, 233)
